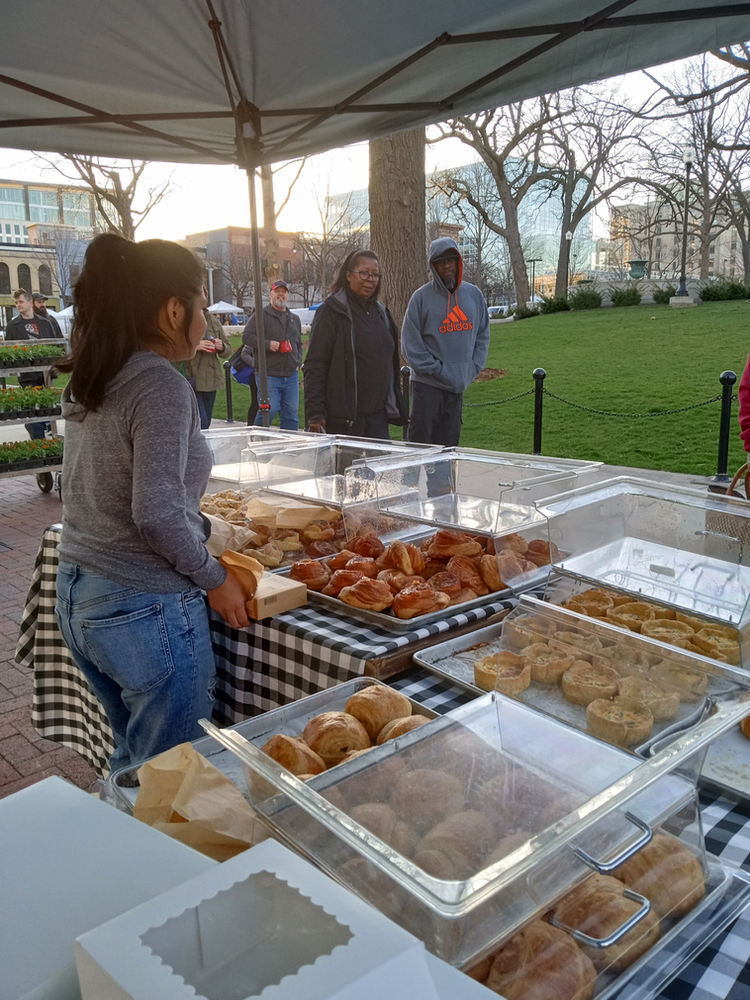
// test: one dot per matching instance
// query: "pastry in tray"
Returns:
(626, 722)
(583, 682)
(667, 873)
(505, 672)
(632, 615)
(547, 664)
(661, 701)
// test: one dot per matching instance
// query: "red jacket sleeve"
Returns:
(744, 394)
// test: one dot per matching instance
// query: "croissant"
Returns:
(597, 907)
(468, 573)
(399, 727)
(382, 820)
(446, 543)
(294, 754)
(312, 573)
(377, 705)
(373, 595)
(406, 557)
(364, 564)
(340, 579)
(332, 735)
(465, 837)
(446, 582)
(541, 962)
(667, 873)
(418, 599)
(424, 797)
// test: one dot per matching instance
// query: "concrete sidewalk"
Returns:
(24, 514)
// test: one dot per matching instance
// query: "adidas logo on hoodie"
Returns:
(456, 320)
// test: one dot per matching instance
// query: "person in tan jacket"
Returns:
(206, 367)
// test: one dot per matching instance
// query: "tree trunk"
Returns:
(397, 216)
(273, 254)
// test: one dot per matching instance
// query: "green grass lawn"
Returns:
(636, 360)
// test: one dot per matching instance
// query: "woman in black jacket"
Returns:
(351, 374)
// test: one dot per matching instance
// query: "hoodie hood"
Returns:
(437, 249)
(138, 363)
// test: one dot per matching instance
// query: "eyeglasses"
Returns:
(367, 275)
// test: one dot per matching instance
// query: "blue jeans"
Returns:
(283, 395)
(206, 402)
(148, 659)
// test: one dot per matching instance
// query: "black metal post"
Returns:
(539, 376)
(682, 290)
(727, 380)
(406, 387)
(228, 384)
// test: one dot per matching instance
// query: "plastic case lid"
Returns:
(683, 548)
(228, 444)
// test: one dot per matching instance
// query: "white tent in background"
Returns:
(205, 81)
(226, 307)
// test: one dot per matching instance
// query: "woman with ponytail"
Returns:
(133, 560)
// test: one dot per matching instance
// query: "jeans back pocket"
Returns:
(132, 649)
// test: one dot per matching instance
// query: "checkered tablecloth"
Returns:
(302, 652)
(271, 663)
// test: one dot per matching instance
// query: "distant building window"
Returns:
(24, 277)
(76, 211)
(12, 204)
(43, 206)
(4, 279)
(45, 280)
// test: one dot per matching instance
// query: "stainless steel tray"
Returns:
(289, 720)
(454, 660)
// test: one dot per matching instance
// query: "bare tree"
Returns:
(271, 212)
(64, 259)
(120, 188)
(234, 264)
(512, 142)
(397, 215)
(343, 228)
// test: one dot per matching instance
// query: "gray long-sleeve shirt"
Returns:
(133, 474)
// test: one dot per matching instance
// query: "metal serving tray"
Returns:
(289, 720)
(454, 660)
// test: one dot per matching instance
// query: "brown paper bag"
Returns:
(186, 797)
(225, 535)
(245, 568)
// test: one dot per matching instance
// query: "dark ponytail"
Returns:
(118, 297)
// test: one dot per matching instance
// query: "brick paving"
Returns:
(25, 757)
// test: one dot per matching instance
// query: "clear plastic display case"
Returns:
(227, 445)
(471, 826)
(683, 551)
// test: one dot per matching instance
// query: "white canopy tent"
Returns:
(212, 81)
(226, 307)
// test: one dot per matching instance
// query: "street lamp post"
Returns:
(534, 261)
(688, 157)
(568, 239)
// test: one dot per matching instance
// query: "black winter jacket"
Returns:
(278, 363)
(330, 369)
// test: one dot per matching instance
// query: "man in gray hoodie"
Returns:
(444, 339)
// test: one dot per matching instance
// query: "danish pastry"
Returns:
(510, 543)
(431, 567)
(418, 599)
(366, 544)
(467, 571)
(397, 580)
(332, 735)
(376, 705)
(510, 565)
(542, 553)
(311, 572)
(467, 594)
(339, 560)
(364, 564)
(340, 579)
(406, 557)
(446, 582)
(446, 543)
(373, 595)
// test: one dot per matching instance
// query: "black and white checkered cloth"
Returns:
(301, 652)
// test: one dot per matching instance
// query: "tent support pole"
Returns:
(264, 406)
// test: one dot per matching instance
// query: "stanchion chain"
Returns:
(609, 413)
(494, 402)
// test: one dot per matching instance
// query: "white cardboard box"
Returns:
(68, 862)
(264, 922)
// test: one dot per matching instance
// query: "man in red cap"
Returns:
(283, 339)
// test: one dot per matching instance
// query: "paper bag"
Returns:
(186, 797)
(225, 535)
(245, 568)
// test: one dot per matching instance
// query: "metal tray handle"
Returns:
(608, 866)
(621, 931)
